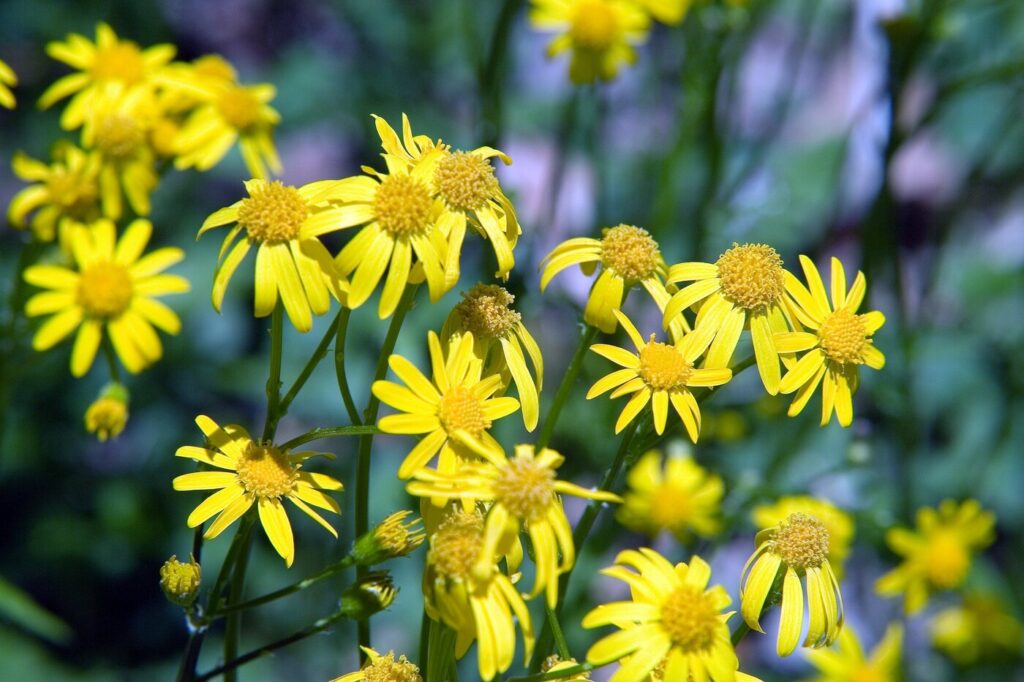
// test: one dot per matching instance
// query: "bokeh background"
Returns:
(887, 132)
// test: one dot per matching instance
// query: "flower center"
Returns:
(239, 108)
(122, 62)
(456, 545)
(662, 367)
(265, 471)
(465, 181)
(485, 311)
(387, 669)
(119, 136)
(946, 560)
(670, 507)
(402, 205)
(801, 541)
(866, 672)
(594, 25)
(461, 410)
(690, 618)
(751, 275)
(70, 191)
(105, 289)
(630, 252)
(273, 213)
(525, 488)
(843, 336)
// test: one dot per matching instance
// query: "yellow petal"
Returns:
(792, 619)
(278, 529)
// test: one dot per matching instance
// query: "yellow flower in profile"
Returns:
(112, 288)
(452, 411)
(674, 620)
(937, 555)
(847, 662)
(523, 494)
(837, 522)
(683, 497)
(108, 414)
(8, 79)
(65, 190)
(601, 34)
(284, 223)
(628, 256)
(500, 338)
(979, 629)
(251, 472)
(743, 288)
(106, 70)
(658, 373)
(476, 607)
(841, 341)
(796, 548)
(383, 668)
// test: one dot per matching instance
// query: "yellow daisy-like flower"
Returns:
(182, 84)
(841, 341)
(601, 34)
(837, 522)
(452, 410)
(383, 668)
(254, 473)
(106, 70)
(523, 493)
(67, 189)
(674, 620)
(847, 662)
(284, 223)
(796, 548)
(111, 287)
(477, 607)
(500, 339)
(979, 629)
(658, 373)
(937, 556)
(743, 288)
(683, 498)
(8, 79)
(628, 256)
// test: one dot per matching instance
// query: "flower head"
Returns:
(108, 414)
(393, 537)
(383, 668)
(66, 190)
(251, 472)
(837, 522)
(681, 497)
(978, 629)
(846, 661)
(180, 580)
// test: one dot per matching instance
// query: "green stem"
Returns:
(490, 82)
(562, 674)
(556, 630)
(565, 388)
(111, 358)
(274, 379)
(741, 631)
(233, 629)
(329, 432)
(311, 364)
(339, 367)
(424, 657)
(327, 572)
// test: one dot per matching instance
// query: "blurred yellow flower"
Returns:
(659, 373)
(937, 555)
(797, 547)
(673, 620)
(499, 340)
(257, 473)
(837, 522)
(841, 341)
(8, 79)
(65, 190)
(979, 629)
(846, 662)
(452, 412)
(683, 498)
(108, 414)
(111, 287)
(284, 223)
(383, 668)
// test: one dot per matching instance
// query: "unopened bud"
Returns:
(108, 414)
(393, 537)
(180, 581)
(373, 593)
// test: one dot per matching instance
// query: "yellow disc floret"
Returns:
(525, 488)
(946, 560)
(690, 618)
(663, 367)
(121, 61)
(751, 275)
(239, 107)
(402, 205)
(801, 541)
(462, 410)
(265, 471)
(485, 311)
(594, 25)
(456, 546)
(119, 136)
(273, 212)
(630, 252)
(465, 181)
(843, 336)
(105, 289)
(387, 669)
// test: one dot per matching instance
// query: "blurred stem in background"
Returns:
(490, 72)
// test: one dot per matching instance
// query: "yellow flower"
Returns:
(841, 341)
(667, 11)
(500, 337)
(108, 415)
(111, 287)
(838, 523)
(601, 34)
(383, 668)
(179, 92)
(65, 190)
(475, 608)
(453, 411)
(253, 473)
(180, 580)
(523, 493)
(284, 223)
(393, 537)
(847, 662)
(938, 555)
(797, 547)
(106, 70)
(684, 498)
(978, 629)
(658, 373)
(743, 288)
(8, 79)
(673, 620)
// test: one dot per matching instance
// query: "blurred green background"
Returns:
(888, 133)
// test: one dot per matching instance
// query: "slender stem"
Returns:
(556, 630)
(329, 432)
(424, 656)
(234, 625)
(565, 388)
(111, 358)
(489, 73)
(562, 674)
(274, 379)
(339, 366)
(189, 660)
(327, 572)
(314, 360)
(741, 631)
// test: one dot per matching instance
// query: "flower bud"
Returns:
(373, 593)
(180, 581)
(391, 538)
(108, 414)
